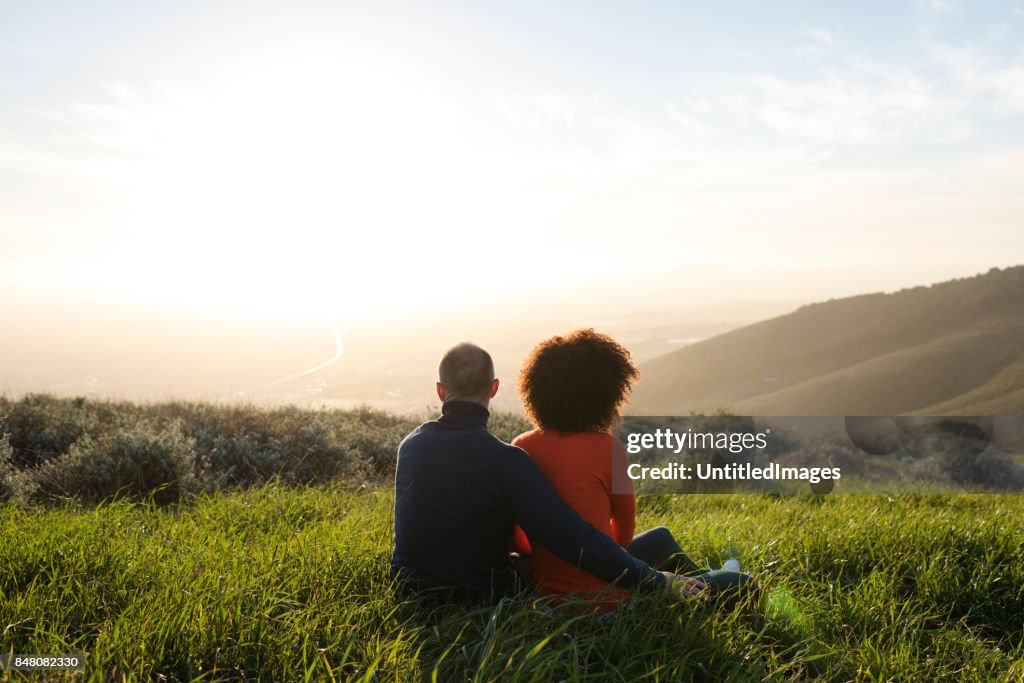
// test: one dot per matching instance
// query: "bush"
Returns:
(6, 468)
(507, 426)
(995, 471)
(240, 460)
(130, 449)
(138, 462)
(42, 427)
(313, 453)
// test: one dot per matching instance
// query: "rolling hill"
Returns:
(954, 348)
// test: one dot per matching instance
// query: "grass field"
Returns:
(290, 583)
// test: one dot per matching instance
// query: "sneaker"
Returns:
(732, 564)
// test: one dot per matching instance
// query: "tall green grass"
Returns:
(290, 583)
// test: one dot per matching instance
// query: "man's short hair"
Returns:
(466, 371)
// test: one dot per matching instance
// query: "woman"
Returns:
(573, 388)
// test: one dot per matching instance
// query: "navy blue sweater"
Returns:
(458, 491)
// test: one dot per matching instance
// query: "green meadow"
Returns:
(285, 583)
(286, 578)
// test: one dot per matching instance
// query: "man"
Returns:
(459, 490)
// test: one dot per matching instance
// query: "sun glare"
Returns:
(304, 185)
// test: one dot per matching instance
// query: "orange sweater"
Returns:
(579, 465)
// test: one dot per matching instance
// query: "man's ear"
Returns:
(440, 391)
(494, 387)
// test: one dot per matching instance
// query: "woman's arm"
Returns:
(520, 543)
(623, 519)
(548, 521)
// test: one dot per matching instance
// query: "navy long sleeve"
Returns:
(458, 492)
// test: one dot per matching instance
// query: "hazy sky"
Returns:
(368, 158)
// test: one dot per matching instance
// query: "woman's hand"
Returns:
(683, 587)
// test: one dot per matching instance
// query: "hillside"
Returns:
(955, 347)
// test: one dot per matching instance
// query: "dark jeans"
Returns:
(658, 548)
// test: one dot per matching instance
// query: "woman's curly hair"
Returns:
(576, 383)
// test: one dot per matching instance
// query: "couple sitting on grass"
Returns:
(477, 519)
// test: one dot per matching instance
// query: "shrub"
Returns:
(233, 461)
(995, 471)
(42, 427)
(311, 452)
(507, 426)
(90, 449)
(6, 468)
(371, 441)
(136, 462)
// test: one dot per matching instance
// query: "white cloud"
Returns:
(821, 35)
(938, 6)
(819, 41)
(29, 49)
(845, 109)
(943, 94)
(1008, 85)
(988, 84)
(537, 111)
(687, 120)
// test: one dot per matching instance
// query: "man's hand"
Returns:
(683, 587)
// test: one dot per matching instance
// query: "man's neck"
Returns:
(464, 413)
(485, 403)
